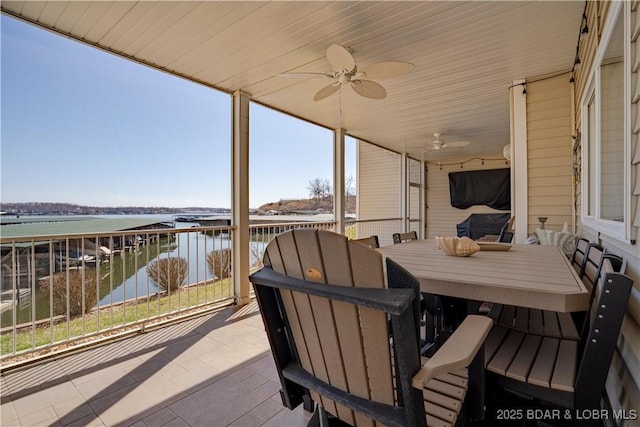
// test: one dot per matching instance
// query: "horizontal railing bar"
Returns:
(358, 221)
(42, 237)
(290, 224)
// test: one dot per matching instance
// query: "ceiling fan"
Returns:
(346, 72)
(439, 144)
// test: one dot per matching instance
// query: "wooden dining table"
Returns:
(533, 276)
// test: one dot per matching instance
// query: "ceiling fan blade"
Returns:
(369, 89)
(340, 58)
(305, 75)
(385, 70)
(456, 144)
(326, 91)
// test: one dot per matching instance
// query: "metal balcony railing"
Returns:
(67, 290)
(383, 228)
(63, 289)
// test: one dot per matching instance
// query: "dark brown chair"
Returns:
(326, 309)
(506, 232)
(371, 241)
(557, 371)
(404, 237)
(579, 253)
(557, 324)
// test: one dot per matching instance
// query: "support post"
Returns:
(338, 179)
(404, 192)
(240, 196)
(519, 167)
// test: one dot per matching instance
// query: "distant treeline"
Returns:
(45, 208)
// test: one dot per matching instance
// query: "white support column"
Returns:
(240, 196)
(338, 179)
(404, 192)
(519, 168)
(423, 201)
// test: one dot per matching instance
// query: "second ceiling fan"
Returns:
(439, 143)
(345, 72)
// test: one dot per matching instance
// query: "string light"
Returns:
(584, 30)
(585, 27)
(462, 163)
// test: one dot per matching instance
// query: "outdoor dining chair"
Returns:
(440, 314)
(327, 304)
(371, 241)
(506, 232)
(436, 311)
(558, 324)
(404, 237)
(558, 371)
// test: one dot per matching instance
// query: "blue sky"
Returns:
(83, 126)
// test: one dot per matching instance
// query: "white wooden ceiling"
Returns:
(466, 55)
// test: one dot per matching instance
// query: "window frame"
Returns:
(619, 230)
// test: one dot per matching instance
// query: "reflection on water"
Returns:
(192, 246)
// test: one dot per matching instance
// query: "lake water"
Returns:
(125, 276)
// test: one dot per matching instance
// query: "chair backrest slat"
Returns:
(591, 264)
(579, 254)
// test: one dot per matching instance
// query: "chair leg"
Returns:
(322, 418)
(307, 403)
(477, 387)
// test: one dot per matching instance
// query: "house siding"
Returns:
(549, 153)
(378, 191)
(623, 383)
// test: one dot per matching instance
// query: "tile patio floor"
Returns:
(213, 370)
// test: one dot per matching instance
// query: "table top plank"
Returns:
(534, 276)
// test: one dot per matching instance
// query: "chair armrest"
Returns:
(458, 351)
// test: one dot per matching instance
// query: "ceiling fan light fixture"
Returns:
(506, 152)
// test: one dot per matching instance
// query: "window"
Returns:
(604, 108)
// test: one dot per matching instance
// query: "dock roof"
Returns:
(80, 226)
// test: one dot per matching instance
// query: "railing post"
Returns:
(240, 195)
(338, 179)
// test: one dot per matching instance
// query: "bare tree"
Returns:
(319, 188)
(349, 184)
